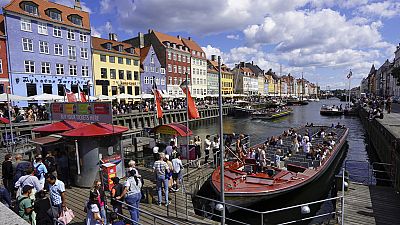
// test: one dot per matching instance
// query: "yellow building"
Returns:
(116, 67)
(227, 80)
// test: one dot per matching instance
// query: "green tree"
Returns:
(396, 74)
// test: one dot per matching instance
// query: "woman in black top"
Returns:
(116, 191)
(43, 210)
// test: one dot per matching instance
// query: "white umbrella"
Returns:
(124, 96)
(46, 97)
(3, 98)
(104, 97)
(143, 96)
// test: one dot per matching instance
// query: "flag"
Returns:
(191, 107)
(70, 95)
(82, 95)
(349, 75)
(157, 99)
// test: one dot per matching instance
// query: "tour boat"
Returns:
(330, 111)
(271, 115)
(245, 185)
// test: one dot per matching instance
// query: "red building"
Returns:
(3, 58)
(172, 53)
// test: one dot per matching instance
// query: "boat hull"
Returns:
(331, 113)
(271, 117)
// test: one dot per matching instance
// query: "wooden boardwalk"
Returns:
(76, 198)
(371, 205)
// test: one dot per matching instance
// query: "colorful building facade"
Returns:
(116, 67)
(4, 84)
(49, 47)
(199, 67)
(152, 71)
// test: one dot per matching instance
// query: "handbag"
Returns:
(66, 216)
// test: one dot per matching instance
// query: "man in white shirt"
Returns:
(306, 147)
(207, 147)
(176, 171)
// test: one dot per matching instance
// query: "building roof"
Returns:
(143, 53)
(246, 69)
(14, 6)
(60, 126)
(192, 45)
(95, 130)
(99, 44)
(165, 37)
(2, 30)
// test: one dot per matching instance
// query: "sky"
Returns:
(323, 39)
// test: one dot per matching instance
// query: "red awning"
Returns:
(173, 129)
(4, 120)
(95, 129)
(61, 126)
(46, 140)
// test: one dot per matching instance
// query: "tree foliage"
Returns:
(396, 74)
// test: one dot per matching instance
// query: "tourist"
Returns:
(155, 152)
(132, 166)
(160, 168)
(5, 197)
(18, 159)
(30, 180)
(306, 147)
(43, 210)
(116, 191)
(93, 212)
(278, 158)
(197, 147)
(263, 159)
(25, 205)
(132, 195)
(240, 148)
(169, 148)
(7, 172)
(295, 145)
(57, 194)
(207, 147)
(177, 170)
(389, 104)
(97, 187)
(280, 141)
(215, 150)
(40, 169)
(168, 175)
(50, 163)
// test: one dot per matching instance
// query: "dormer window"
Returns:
(30, 8)
(180, 47)
(174, 45)
(108, 46)
(120, 48)
(131, 50)
(54, 14)
(75, 19)
(193, 52)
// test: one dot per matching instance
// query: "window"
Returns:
(169, 55)
(113, 73)
(111, 59)
(169, 80)
(120, 48)
(184, 70)
(162, 81)
(151, 80)
(57, 31)
(42, 28)
(136, 62)
(120, 60)
(84, 53)
(174, 56)
(194, 52)
(103, 73)
(43, 47)
(152, 59)
(113, 90)
(45, 67)
(179, 58)
(121, 74)
(128, 62)
(30, 7)
(179, 69)
(146, 68)
(103, 58)
(59, 69)
(157, 69)
(175, 81)
(70, 35)
(175, 69)
(54, 14)
(71, 52)
(136, 75)
(27, 45)
(122, 89)
(1, 66)
(73, 70)
(61, 91)
(82, 37)
(169, 68)
(29, 66)
(75, 19)
(188, 70)
(74, 88)
(162, 70)
(183, 58)
(158, 81)
(104, 90)
(31, 90)
(129, 75)
(85, 71)
(146, 80)
(129, 90)
(108, 46)
(48, 89)
(58, 49)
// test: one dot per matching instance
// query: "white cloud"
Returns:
(385, 9)
(95, 32)
(103, 30)
(233, 36)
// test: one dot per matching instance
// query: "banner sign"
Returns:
(90, 112)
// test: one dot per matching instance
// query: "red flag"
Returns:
(82, 95)
(157, 100)
(192, 109)
(70, 95)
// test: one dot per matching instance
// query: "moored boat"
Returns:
(331, 111)
(247, 184)
(271, 114)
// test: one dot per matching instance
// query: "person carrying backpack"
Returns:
(132, 195)
(24, 204)
(40, 169)
(30, 180)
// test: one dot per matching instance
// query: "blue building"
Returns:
(49, 47)
(151, 71)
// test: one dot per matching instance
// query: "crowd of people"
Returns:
(28, 114)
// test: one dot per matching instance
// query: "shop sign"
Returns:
(90, 112)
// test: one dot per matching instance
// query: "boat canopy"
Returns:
(173, 129)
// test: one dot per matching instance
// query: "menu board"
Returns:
(91, 112)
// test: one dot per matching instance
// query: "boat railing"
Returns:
(366, 173)
(219, 206)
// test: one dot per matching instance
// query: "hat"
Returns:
(26, 188)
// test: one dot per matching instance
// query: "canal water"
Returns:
(358, 157)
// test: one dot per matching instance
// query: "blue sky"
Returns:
(324, 39)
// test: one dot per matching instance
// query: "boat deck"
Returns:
(371, 205)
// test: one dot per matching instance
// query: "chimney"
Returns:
(213, 58)
(179, 37)
(189, 38)
(112, 37)
(242, 64)
(77, 5)
(149, 31)
(141, 39)
(252, 63)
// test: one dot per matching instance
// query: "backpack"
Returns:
(16, 207)
(37, 173)
(20, 170)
